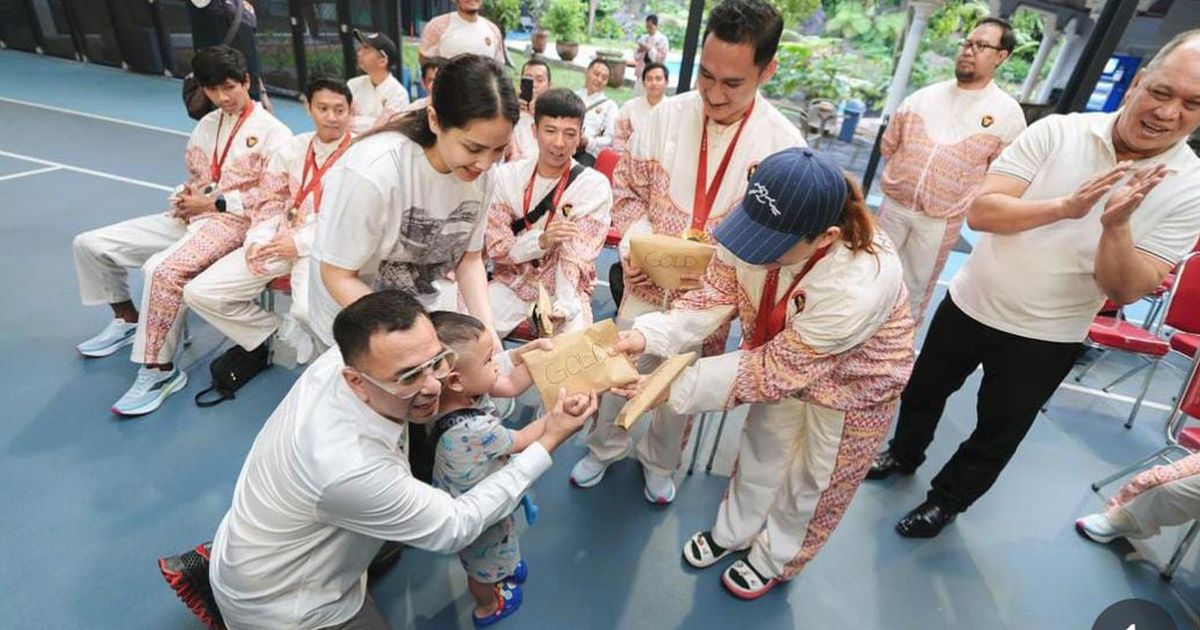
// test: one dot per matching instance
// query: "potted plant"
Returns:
(564, 20)
(616, 66)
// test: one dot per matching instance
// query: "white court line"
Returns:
(119, 121)
(1117, 397)
(87, 171)
(36, 171)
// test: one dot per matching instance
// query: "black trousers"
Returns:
(1019, 376)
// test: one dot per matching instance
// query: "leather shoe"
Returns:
(925, 521)
(886, 464)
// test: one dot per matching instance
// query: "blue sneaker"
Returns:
(531, 510)
(508, 598)
(150, 390)
(519, 574)
(116, 335)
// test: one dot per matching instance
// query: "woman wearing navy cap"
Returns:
(827, 350)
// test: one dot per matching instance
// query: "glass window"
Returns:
(16, 26)
(95, 30)
(137, 36)
(51, 18)
(177, 27)
(275, 51)
(324, 51)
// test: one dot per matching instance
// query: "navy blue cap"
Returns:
(793, 194)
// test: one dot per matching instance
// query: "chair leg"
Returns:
(696, 448)
(186, 333)
(716, 441)
(1155, 309)
(1088, 370)
(1139, 464)
(1142, 394)
(1121, 379)
(1181, 551)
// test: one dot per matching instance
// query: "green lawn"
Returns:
(571, 78)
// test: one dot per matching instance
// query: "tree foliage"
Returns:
(505, 13)
(564, 20)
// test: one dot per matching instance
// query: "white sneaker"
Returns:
(116, 335)
(150, 390)
(588, 471)
(660, 489)
(1098, 528)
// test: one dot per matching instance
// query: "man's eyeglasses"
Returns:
(974, 46)
(408, 384)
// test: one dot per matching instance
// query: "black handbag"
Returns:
(230, 371)
(194, 100)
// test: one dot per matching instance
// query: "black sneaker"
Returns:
(187, 575)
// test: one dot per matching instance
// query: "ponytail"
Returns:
(413, 124)
(857, 224)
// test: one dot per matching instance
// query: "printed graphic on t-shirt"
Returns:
(438, 243)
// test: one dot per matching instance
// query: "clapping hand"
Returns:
(1079, 203)
(1122, 204)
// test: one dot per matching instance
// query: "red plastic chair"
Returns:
(1158, 296)
(606, 163)
(282, 284)
(1179, 441)
(1182, 313)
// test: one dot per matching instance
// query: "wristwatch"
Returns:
(220, 203)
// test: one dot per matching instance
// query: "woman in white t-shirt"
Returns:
(634, 112)
(405, 208)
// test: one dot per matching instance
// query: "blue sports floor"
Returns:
(89, 501)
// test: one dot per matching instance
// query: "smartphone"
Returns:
(526, 89)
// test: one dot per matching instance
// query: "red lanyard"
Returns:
(703, 200)
(313, 186)
(214, 172)
(558, 191)
(772, 315)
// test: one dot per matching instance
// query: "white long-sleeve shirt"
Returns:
(326, 482)
(600, 121)
(568, 271)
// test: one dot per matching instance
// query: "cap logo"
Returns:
(987, 121)
(763, 196)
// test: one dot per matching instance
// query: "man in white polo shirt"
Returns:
(1079, 208)
(463, 31)
(327, 480)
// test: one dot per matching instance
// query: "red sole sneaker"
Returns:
(187, 575)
